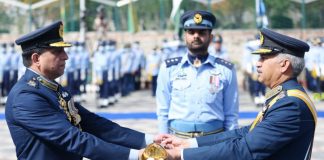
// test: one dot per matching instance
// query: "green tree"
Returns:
(231, 12)
(5, 20)
(280, 21)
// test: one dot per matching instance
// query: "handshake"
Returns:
(165, 147)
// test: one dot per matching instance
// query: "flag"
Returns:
(175, 17)
(132, 19)
(261, 17)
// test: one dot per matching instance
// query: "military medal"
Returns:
(197, 63)
(74, 112)
(64, 106)
(214, 83)
(154, 152)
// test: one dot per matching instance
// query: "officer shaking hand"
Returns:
(284, 129)
(43, 120)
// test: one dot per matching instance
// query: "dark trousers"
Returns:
(154, 84)
(5, 83)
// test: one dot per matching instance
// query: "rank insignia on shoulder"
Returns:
(172, 61)
(32, 83)
(224, 63)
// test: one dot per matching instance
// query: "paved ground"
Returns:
(142, 102)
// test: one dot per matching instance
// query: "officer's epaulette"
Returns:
(33, 82)
(48, 83)
(224, 62)
(172, 61)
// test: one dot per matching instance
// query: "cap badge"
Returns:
(261, 39)
(61, 31)
(197, 18)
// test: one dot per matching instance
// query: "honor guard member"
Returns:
(154, 61)
(256, 88)
(84, 72)
(6, 67)
(284, 129)
(317, 72)
(70, 70)
(100, 67)
(311, 65)
(110, 49)
(43, 120)
(77, 72)
(1, 71)
(217, 49)
(116, 71)
(321, 78)
(14, 62)
(138, 64)
(127, 58)
(197, 93)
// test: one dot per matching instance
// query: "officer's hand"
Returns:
(175, 142)
(174, 154)
(160, 137)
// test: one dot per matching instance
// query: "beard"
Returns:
(198, 46)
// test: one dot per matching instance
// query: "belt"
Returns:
(188, 126)
(193, 134)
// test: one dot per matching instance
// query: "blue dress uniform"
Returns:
(256, 88)
(1, 71)
(85, 66)
(77, 72)
(6, 67)
(310, 67)
(127, 60)
(117, 73)
(101, 73)
(70, 69)
(220, 52)
(194, 100)
(283, 130)
(14, 62)
(110, 49)
(45, 123)
(137, 64)
(154, 61)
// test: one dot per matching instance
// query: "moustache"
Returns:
(196, 42)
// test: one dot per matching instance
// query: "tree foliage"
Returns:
(155, 14)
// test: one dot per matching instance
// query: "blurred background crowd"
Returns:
(118, 45)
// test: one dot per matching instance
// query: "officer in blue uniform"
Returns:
(127, 60)
(197, 93)
(2, 50)
(14, 62)
(284, 129)
(101, 73)
(152, 68)
(84, 72)
(217, 49)
(43, 120)
(137, 64)
(110, 49)
(6, 67)
(256, 88)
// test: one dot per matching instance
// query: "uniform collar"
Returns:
(31, 74)
(287, 85)
(210, 59)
